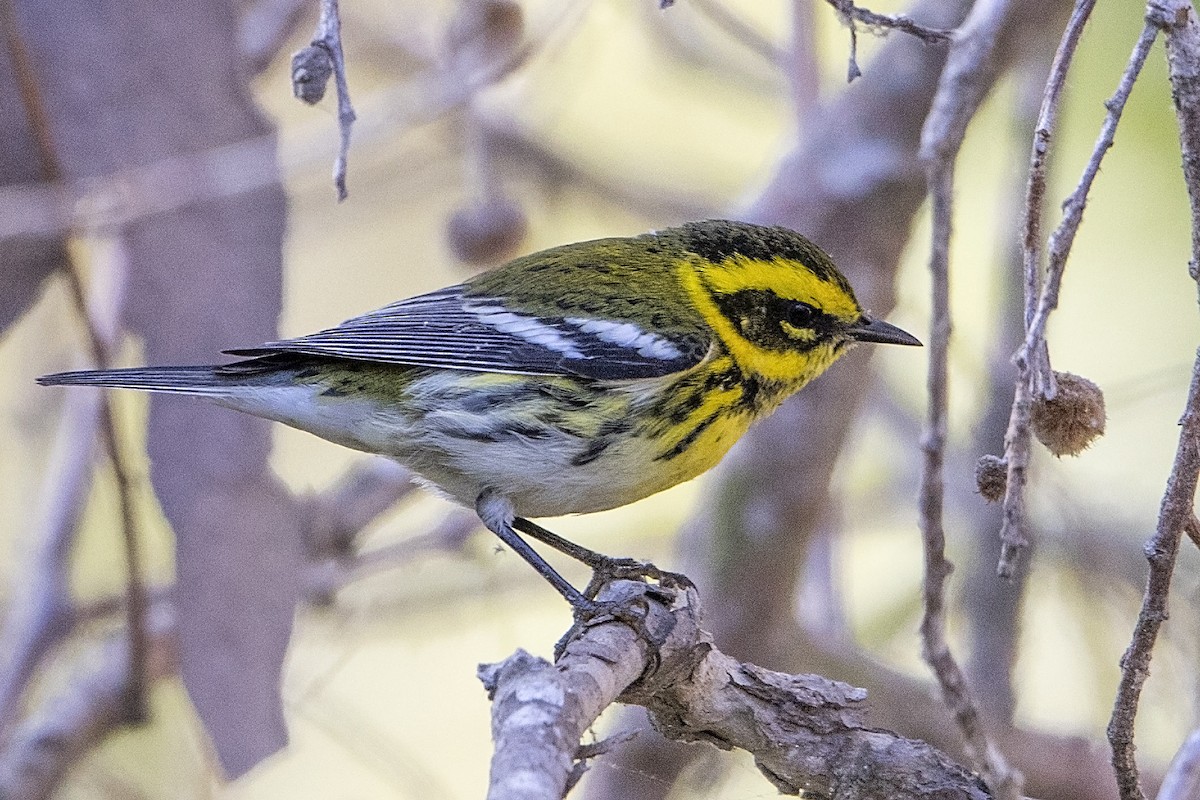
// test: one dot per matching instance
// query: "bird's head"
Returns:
(779, 305)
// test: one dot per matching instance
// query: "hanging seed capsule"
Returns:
(1071, 421)
(991, 477)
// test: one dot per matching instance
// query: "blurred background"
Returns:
(491, 129)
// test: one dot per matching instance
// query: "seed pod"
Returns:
(1070, 422)
(487, 232)
(991, 477)
(483, 33)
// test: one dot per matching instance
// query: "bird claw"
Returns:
(633, 612)
(630, 569)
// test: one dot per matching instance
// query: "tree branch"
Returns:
(1014, 535)
(880, 24)
(100, 325)
(41, 615)
(311, 68)
(806, 732)
(33, 765)
(970, 72)
(1178, 21)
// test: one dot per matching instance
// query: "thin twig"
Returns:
(970, 70)
(124, 196)
(1177, 20)
(1161, 550)
(852, 69)
(1058, 246)
(1034, 376)
(311, 68)
(880, 24)
(900, 22)
(101, 348)
(1013, 529)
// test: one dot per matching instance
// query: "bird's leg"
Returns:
(497, 514)
(604, 568)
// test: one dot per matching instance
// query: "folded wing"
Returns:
(453, 330)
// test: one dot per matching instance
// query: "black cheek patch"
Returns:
(761, 315)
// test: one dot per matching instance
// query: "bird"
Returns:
(569, 381)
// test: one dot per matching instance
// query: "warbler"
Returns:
(572, 380)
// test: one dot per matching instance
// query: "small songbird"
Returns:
(573, 380)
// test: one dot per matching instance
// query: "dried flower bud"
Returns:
(487, 232)
(311, 70)
(1070, 422)
(483, 33)
(991, 477)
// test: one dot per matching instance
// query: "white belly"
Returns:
(461, 449)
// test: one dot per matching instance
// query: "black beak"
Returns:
(880, 332)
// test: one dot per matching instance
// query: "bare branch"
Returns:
(1177, 19)
(880, 24)
(1160, 551)
(806, 732)
(311, 68)
(41, 615)
(970, 72)
(900, 22)
(33, 764)
(334, 518)
(101, 349)
(1013, 530)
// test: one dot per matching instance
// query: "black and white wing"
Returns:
(453, 330)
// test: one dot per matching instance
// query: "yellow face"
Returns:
(780, 319)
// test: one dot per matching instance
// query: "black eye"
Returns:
(800, 315)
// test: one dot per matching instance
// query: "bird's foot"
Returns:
(608, 569)
(632, 612)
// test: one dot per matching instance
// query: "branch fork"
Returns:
(807, 733)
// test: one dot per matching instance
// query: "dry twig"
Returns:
(970, 72)
(100, 340)
(1177, 19)
(1013, 528)
(881, 24)
(311, 68)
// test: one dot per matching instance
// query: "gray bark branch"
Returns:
(807, 733)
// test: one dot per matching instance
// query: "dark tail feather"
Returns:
(177, 380)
